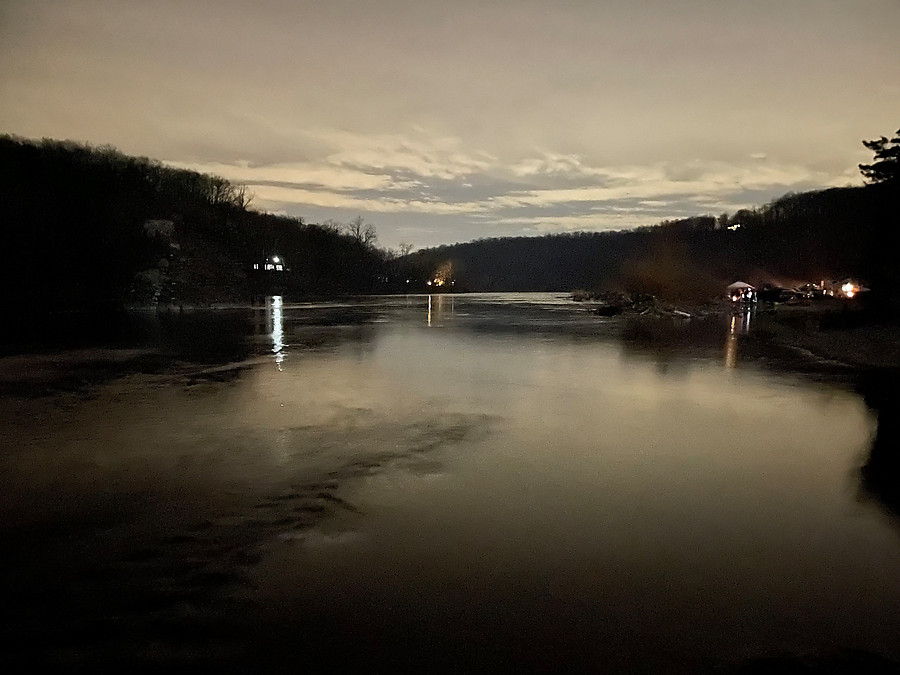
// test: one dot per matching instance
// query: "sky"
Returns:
(441, 121)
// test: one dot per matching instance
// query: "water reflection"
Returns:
(277, 330)
(567, 492)
(739, 326)
(439, 308)
(880, 475)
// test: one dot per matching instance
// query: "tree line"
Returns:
(75, 234)
(809, 236)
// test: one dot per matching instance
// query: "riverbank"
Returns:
(832, 331)
(838, 330)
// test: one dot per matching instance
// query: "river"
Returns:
(454, 483)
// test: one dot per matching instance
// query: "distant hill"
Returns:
(816, 235)
(88, 227)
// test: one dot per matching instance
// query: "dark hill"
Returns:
(817, 235)
(90, 227)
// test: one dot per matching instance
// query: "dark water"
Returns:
(453, 483)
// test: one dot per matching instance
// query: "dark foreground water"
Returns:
(453, 483)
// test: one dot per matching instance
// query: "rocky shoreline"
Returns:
(837, 330)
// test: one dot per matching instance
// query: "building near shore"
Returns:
(741, 292)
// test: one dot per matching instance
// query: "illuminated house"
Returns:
(272, 264)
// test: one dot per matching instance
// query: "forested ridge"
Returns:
(803, 237)
(88, 227)
(816, 235)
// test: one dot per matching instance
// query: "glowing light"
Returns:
(443, 274)
(275, 259)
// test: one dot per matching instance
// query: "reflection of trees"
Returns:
(313, 327)
(204, 336)
(668, 341)
(880, 475)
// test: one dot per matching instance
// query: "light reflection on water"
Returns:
(277, 330)
(509, 482)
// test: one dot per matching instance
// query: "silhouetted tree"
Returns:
(886, 167)
(361, 231)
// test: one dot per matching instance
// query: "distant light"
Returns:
(848, 289)
(428, 282)
(275, 259)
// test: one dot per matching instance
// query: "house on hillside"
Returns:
(272, 264)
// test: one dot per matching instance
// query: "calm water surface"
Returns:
(483, 482)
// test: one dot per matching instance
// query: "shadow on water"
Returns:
(77, 351)
(880, 475)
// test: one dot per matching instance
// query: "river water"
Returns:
(448, 483)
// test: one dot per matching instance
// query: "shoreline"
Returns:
(833, 334)
(836, 331)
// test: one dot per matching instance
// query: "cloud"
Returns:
(423, 155)
(299, 175)
(284, 196)
(395, 176)
(456, 113)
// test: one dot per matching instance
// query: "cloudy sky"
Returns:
(448, 120)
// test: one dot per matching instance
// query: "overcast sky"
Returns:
(448, 120)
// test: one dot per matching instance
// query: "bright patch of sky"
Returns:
(447, 121)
